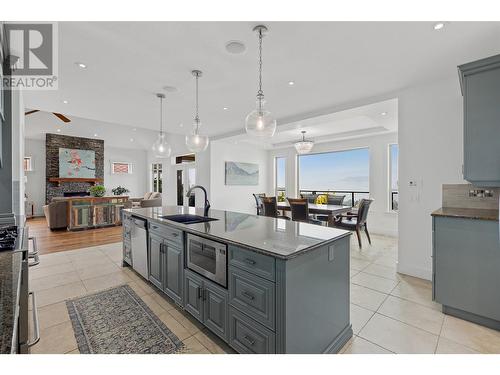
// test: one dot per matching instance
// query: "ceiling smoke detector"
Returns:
(235, 47)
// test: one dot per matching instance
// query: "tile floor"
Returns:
(390, 313)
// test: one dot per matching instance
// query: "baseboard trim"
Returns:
(421, 273)
(478, 319)
(339, 342)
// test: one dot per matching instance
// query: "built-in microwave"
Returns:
(208, 258)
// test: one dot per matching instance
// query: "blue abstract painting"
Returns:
(242, 173)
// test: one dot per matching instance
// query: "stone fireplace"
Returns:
(52, 144)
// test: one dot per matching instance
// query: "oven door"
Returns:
(207, 258)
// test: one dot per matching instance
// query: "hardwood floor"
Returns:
(60, 240)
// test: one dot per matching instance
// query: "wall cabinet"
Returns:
(466, 260)
(480, 83)
(207, 302)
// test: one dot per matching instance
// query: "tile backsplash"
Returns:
(470, 196)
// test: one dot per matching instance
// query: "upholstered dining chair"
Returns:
(356, 221)
(270, 208)
(335, 200)
(258, 202)
(299, 208)
(311, 198)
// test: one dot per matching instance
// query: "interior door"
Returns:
(186, 179)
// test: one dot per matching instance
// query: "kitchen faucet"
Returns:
(207, 203)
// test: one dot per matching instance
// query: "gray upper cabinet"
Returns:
(156, 260)
(480, 83)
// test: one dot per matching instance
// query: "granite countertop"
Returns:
(467, 213)
(279, 238)
(10, 283)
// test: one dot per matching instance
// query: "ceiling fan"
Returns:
(58, 115)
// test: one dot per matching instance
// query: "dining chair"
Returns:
(335, 200)
(299, 207)
(356, 221)
(270, 208)
(258, 202)
(311, 198)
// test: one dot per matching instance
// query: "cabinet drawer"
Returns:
(248, 336)
(253, 295)
(167, 233)
(258, 264)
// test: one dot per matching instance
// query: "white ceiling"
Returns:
(330, 62)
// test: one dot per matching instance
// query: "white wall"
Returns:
(230, 197)
(35, 184)
(137, 182)
(430, 153)
(380, 220)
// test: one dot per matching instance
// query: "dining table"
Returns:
(331, 210)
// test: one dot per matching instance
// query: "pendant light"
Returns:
(259, 122)
(195, 141)
(161, 148)
(303, 146)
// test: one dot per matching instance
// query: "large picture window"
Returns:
(336, 173)
(280, 178)
(393, 177)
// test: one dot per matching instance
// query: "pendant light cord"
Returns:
(161, 116)
(260, 93)
(197, 117)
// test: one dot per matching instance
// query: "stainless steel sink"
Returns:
(188, 219)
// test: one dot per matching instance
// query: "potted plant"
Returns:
(97, 191)
(120, 190)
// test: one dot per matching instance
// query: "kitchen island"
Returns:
(284, 286)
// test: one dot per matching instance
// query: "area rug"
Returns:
(117, 321)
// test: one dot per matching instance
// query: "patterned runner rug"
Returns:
(117, 321)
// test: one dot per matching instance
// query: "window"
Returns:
(157, 177)
(393, 177)
(280, 187)
(336, 173)
(28, 164)
(118, 167)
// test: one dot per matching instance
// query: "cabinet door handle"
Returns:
(154, 226)
(249, 340)
(175, 234)
(200, 292)
(250, 261)
(205, 292)
(247, 295)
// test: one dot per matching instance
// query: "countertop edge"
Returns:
(466, 213)
(187, 229)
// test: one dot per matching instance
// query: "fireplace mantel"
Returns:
(60, 180)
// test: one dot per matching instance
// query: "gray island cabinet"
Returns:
(287, 282)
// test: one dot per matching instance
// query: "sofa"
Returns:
(150, 199)
(56, 214)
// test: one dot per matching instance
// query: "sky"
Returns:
(342, 170)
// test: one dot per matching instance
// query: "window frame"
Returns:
(276, 159)
(390, 207)
(129, 167)
(159, 188)
(30, 169)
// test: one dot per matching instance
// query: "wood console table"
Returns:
(94, 212)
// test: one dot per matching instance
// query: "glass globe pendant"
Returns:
(161, 148)
(303, 146)
(195, 141)
(259, 122)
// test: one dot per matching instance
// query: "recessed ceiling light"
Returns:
(58, 130)
(131, 139)
(95, 134)
(235, 47)
(170, 88)
(225, 108)
(181, 124)
(81, 65)
(291, 83)
(65, 102)
(438, 26)
(134, 129)
(384, 113)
